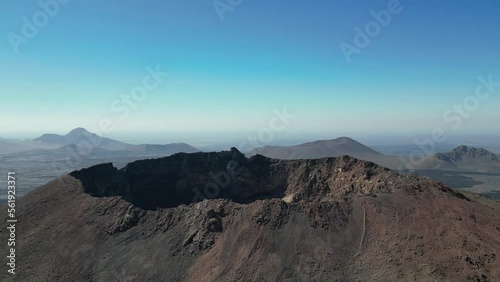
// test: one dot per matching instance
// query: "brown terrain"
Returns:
(224, 217)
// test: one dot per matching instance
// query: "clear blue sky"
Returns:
(228, 75)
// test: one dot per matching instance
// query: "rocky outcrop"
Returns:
(464, 152)
(223, 217)
(189, 178)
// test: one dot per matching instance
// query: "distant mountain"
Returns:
(464, 153)
(319, 149)
(464, 158)
(52, 155)
(78, 135)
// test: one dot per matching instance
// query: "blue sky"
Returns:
(226, 76)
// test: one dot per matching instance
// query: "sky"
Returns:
(231, 68)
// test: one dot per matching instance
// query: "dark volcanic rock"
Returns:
(223, 217)
(187, 178)
(184, 178)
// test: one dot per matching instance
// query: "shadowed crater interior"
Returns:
(185, 178)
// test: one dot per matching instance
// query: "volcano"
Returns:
(224, 217)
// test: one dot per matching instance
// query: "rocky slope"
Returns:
(464, 158)
(223, 217)
(461, 153)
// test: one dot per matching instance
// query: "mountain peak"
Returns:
(345, 138)
(465, 152)
(471, 150)
(78, 135)
(78, 130)
(463, 149)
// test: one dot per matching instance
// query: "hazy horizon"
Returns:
(225, 140)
